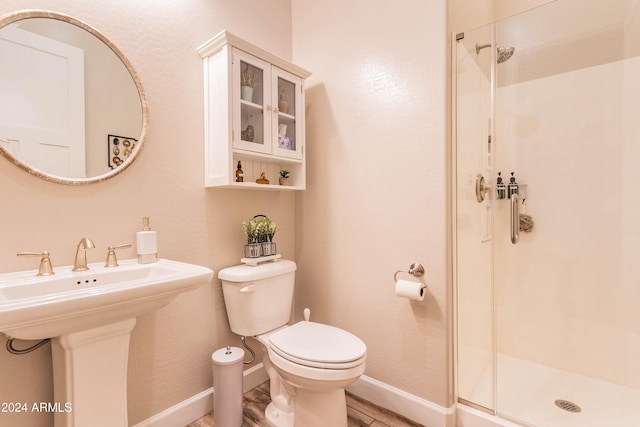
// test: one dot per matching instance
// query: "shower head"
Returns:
(503, 53)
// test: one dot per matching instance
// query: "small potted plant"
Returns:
(266, 231)
(260, 231)
(284, 177)
(247, 83)
(253, 248)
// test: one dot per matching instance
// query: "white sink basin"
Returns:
(90, 315)
(33, 307)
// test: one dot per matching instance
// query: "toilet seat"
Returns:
(317, 345)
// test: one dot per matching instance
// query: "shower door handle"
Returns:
(515, 218)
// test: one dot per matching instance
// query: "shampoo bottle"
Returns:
(147, 243)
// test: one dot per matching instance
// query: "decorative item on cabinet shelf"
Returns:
(239, 173)
(247, 83)
(284, 177)
(283, 104)
(284, 141)
(259, 231)
(263, 179)
(248, 134)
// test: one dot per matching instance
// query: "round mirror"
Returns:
(72, 109)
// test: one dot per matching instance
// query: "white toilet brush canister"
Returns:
(227, 387)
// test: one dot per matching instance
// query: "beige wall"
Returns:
(466, 15)
(376, 197)
(170, 358)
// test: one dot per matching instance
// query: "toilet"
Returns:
(309, 364)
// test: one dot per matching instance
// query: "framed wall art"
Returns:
(119, 149)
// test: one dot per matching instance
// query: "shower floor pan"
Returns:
(527, 394)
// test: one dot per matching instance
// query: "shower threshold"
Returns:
(527, 393)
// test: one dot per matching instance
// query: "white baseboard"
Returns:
(201, 404)
(412, 407)
(381, 394)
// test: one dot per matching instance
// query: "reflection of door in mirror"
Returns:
(42, 107)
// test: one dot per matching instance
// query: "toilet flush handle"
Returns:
(248, 289)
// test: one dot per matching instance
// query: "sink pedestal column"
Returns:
(90, 376)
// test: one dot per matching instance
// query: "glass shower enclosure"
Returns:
(547, 215)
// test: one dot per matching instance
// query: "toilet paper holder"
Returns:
(416, 270)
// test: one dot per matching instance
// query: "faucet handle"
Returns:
(45, 268)
(112, 261)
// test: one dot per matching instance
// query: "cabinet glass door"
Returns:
(287, 121)
(251, 94)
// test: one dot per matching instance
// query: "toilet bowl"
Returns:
(315, 362)
(309, 364)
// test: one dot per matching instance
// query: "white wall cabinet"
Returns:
(259, 124)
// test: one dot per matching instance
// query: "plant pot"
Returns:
(284, 181)
(253, 250)
(269, 248)
(246, 93)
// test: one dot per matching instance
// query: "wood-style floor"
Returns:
(360, 412)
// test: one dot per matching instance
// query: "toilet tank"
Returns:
(258, 298)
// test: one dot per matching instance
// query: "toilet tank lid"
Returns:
(248, 273)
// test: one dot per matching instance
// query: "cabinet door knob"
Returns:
(268, 107)
(276, 110)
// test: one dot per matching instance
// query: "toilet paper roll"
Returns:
(409, 289)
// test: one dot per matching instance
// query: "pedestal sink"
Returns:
(90, 315)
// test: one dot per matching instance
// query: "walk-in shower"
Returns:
(548, 328)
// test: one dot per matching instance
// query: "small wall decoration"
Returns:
(119, 148)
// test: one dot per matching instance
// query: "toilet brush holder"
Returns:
(227, 386)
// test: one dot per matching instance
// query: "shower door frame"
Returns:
(455, 40)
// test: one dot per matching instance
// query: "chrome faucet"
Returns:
(80, 264)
